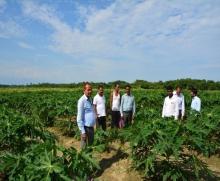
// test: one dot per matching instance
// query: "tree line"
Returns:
(184, 83)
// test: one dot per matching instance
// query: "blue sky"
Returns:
(63, 41)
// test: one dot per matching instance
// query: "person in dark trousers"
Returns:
(127, 108)
(100, 109)
(86, 116)
(115, 102)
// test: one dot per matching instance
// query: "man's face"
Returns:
(128, 90)
(178, 91)
(101, 91)
(88, 90)
(170, 93)
(117, 88)
(192, 94)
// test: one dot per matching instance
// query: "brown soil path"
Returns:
(116, 165)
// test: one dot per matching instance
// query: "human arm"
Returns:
(95, 106)
(183, 107)
(164, 107)
(121, 106)
(111, 100)
(80, 114)
(176, 110)
(134, 109)
(198, 105)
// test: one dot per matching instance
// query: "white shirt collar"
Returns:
(99, 95)
(85, 97)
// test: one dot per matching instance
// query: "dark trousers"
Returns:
(180, 114)
(102, 122)
(115, 119)
(90, 137)
(127, 116)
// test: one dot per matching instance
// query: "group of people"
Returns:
(92, 112)
(174, 103)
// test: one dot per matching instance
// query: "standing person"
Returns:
(86, 116)
(127, 108)
(115, 101)
(99, 105)
(196, 101)
(170, 106)
(180, 101)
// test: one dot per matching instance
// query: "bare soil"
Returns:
(115, 164)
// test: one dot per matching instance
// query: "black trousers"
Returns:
(90, 137)
(102, 122)
(115, 119)
(180, 114)
(127, 116)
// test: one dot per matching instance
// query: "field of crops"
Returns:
(160, 149)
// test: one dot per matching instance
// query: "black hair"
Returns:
(194, 91)
(100, 86)
(85, 84)
(169, 88)
(127, 86)
(115, 85)
(178, 87)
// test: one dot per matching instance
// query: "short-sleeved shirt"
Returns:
(99, 101)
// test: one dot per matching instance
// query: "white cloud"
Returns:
(25, 45)
(10, 29)
(124, 26)
(137, 36)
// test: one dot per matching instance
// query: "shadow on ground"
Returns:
(107, 162)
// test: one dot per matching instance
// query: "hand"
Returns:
(83, 136)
